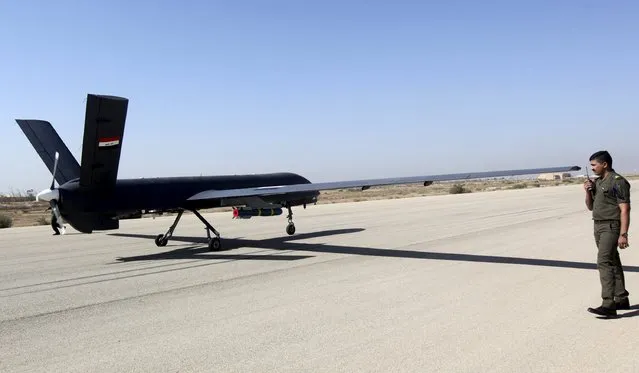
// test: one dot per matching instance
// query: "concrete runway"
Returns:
(486, 282)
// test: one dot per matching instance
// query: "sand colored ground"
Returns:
(477, 282)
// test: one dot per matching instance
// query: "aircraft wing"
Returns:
(365, 184)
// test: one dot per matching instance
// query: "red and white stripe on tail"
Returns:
(108, 141)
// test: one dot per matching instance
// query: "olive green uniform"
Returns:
(608, 193)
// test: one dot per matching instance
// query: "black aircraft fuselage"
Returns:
(128, 196)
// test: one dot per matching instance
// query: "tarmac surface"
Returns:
(487, 282)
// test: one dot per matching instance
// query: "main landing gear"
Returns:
(214, 242)
(290, 228)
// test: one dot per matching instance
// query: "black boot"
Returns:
(623, 304)
(603, 311)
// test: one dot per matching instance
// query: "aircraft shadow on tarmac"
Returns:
(286, 244)
(197, 252)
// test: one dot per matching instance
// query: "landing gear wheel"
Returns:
(290, 229)
(163, 239)
(160, 240)
(215, 244)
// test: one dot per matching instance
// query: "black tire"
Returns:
(160, 241)
(290, 229)
(215, 244)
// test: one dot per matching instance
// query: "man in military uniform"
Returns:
(608, 197)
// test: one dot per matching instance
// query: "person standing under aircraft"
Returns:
(608, 197)
(54, 225)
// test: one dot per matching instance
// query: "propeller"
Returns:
(52, 195)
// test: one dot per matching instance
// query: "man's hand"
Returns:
(625, 224)
(622, 242)
(588, 185)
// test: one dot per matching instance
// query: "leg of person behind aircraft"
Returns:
(54, 225)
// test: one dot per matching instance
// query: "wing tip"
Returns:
(22, 121)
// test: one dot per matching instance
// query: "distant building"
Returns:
(554, 176)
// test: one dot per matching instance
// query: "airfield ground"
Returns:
(476, 282)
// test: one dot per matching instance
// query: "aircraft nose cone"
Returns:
(48, 195)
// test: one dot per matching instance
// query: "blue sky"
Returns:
(261, 86)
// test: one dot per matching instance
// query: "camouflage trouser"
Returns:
(613, 286)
